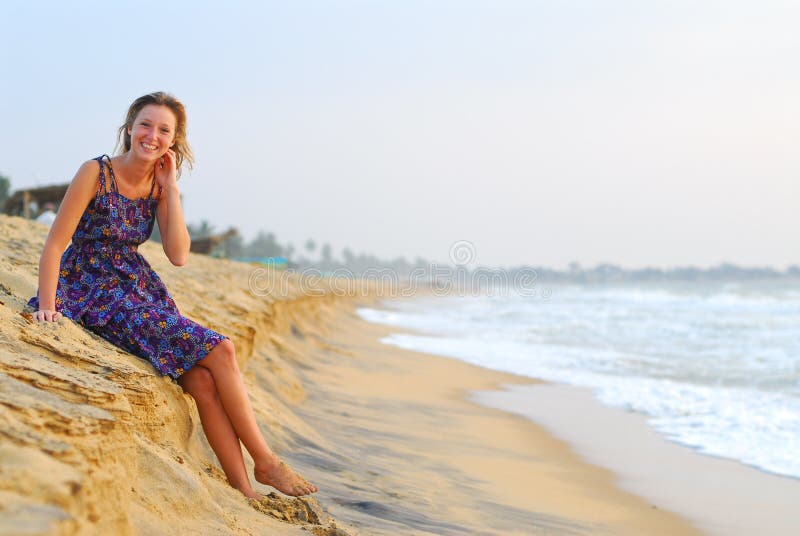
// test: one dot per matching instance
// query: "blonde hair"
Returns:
(183, 152)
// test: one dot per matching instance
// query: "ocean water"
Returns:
(714, 366)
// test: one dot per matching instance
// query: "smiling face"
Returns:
(157, 121)
(152, 132)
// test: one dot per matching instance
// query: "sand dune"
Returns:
(94, 442)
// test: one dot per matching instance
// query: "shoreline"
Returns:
(702, 488)
(431, 460)
(705, 489)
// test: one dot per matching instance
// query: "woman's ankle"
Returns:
(249, 492)
(244, 488)
(267, 463)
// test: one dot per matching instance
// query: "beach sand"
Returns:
(425, 459)
(721, 496)
(92, 441)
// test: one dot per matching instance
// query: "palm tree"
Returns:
(264, 245)
(326, 252)
(205, 228)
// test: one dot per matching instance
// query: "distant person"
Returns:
(106, 285)
(48, 215)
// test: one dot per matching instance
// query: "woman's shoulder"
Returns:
(91, 165)
(79, 194)
(87, 178)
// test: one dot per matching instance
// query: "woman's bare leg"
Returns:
(199, 383)
(269, 469)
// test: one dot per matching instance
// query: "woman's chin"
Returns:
(148, 156)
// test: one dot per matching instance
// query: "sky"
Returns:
(640, 133)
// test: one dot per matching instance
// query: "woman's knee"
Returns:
(199, 382)
(223, 355)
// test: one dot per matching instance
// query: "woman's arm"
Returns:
(174, 234)
(80, 192)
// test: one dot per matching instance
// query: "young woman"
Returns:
(102, 282)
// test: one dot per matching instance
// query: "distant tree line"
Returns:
(611, 273)
(311, 255)
(266, 245)
(321, 257)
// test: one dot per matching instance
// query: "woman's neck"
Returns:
(135, 171)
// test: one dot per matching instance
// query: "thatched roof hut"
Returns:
(206, 244)
(19, 204)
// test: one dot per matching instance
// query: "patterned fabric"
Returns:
(106, 285)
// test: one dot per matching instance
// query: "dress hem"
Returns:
(214, 345)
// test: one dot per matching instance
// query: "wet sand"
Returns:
(418, 456)
(723, 497)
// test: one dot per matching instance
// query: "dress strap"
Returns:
(152, 188)
(112, 177)
(112, 185)
(102, 177)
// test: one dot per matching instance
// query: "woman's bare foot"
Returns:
(251, 494)
(281, 477)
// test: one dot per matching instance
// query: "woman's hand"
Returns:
(46, 315)
(167, 171)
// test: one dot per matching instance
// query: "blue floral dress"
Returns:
(106, 285)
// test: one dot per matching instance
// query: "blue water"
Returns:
(715, 366)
